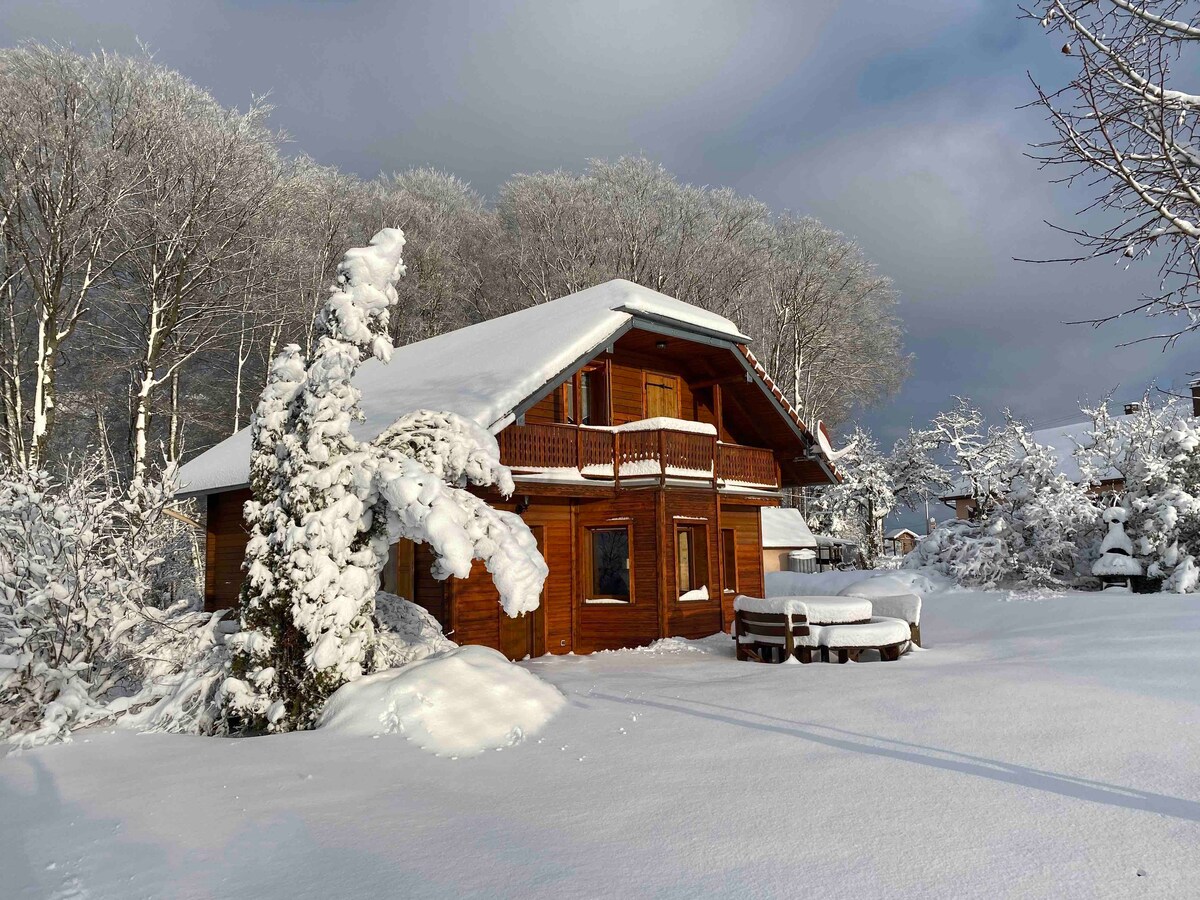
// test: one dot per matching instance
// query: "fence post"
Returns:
(616, 460)
(662, 457)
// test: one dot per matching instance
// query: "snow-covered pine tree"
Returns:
(315, 549)
(326, 507)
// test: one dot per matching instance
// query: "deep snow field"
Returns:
(1043, 746)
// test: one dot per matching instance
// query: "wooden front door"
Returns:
(662, 395)
(525, 635)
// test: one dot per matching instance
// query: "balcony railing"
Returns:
(663, 453)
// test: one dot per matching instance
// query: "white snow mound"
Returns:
(804, 584)
(883, 586)
(458, 703)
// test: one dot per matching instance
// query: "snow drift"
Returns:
(814, 584)
(458, 703)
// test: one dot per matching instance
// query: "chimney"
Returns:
(1196, 398)
(1132, 408)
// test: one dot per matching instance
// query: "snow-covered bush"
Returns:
(1164, 500)
(406, 632)
(1031, 532)
(967, 552)
(1048, 516)
(181, 661)
(77, 601)
(326, 507)
(458, 703)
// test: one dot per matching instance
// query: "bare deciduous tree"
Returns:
(65, 184)
(209, 180)
(450, 237)
(823, 317)
(1127, 131)
(825, 320)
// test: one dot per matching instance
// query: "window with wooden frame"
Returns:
(609, 571)
(588, 392)
(729, 557)
(691, 561)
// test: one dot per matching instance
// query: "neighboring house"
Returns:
(900, 541)
(1063, 440)
(644, 439)
(784, 532)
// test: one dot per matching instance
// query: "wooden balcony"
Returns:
(598, 453)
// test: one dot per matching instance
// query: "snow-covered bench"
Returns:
(772, 630)
(777, 628)
(845, 642)
(887, 601)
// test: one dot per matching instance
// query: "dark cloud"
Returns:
(898, 123)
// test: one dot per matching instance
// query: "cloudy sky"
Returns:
(897, 123)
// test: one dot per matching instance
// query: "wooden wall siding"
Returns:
(427, 591)
(610, 626)
(548, 410)
(746, 522)
(475, 602)
(224, 549)
(692, 618)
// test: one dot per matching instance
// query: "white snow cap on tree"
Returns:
(357, 309)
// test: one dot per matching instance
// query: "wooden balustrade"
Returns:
(748, 465)
(539, 446)
(631, 454)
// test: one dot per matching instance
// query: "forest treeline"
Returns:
(158, 248)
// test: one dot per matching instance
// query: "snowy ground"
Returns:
(1039, 748)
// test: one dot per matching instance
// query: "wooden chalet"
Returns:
(644, 439)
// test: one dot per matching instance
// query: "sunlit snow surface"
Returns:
(1036, 749)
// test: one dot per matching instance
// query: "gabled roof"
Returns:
(494, 371)
(1063, 441)
(785, 528)
(897, 532)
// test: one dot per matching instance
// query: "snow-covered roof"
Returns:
(899, 532)
(785, 528)
(1062, 439)
(485, 371)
